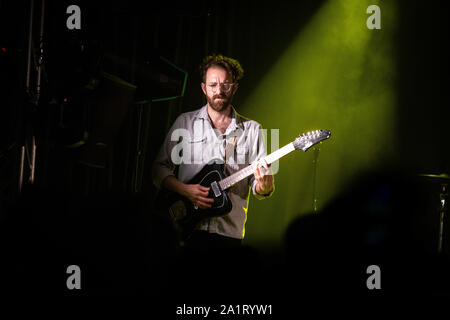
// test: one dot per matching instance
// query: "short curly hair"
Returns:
(231, 65)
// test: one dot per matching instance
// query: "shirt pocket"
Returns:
(197, 147)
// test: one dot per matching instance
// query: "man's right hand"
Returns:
(198, 195)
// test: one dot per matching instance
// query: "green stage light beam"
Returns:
(339, 75)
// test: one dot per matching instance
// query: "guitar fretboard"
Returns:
(247, 171)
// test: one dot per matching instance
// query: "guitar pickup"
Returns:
(216, 189)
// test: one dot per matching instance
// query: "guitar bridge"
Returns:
(216, 189)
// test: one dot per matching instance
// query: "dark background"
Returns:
(91, 205)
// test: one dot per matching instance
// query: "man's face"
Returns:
(218, 88)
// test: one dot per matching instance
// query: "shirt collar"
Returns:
(236, 121)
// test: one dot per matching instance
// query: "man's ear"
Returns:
(203, 87)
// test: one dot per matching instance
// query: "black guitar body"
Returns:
(185, 215)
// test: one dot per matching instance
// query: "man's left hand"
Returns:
(264, 178)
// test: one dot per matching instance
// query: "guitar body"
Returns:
(184, 214)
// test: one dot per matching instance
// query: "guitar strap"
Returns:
(230, 148)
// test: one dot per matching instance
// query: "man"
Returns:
(216, 131)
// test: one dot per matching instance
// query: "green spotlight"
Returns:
(339, 75)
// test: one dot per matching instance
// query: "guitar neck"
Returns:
(247, 171)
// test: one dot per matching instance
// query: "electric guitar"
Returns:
(186, 216)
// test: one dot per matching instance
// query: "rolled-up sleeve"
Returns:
(163, 165)
(259, 151)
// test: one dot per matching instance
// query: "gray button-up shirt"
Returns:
(192, 142)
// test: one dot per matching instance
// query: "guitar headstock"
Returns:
(307, 140)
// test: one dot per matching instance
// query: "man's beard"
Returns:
(219, 105)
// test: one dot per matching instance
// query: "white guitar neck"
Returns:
(247, 171)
